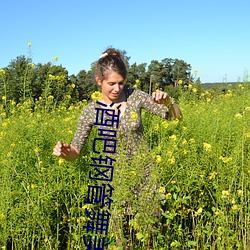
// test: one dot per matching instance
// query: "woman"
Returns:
(110, 74)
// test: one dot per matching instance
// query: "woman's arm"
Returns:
(163, 98)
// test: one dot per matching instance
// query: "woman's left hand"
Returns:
(161, 97)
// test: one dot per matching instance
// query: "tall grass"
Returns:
(202, 168)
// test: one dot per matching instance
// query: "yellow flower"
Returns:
(33, 186)
(29, 44)
(2, 217)
(137, 81)
(195, 71)
(135, 86)
(61, 161)
(212, 175)
(235, 207)
(96, 96)
(133, 116)
(4, 124)
(180, 82)
(207, 147)
(239, 192)
(247, 135)
(171, 160)
(247, 108)
(73, 85)
(158, 159)
(162, 190)
(164, 124)
(156, 127)
(238, 116)
(2, 72)
(3, 97)
(225, 193)
(190, 86)
(51, 77)
(173, 137)
(194, 90)
(37, 149)
(13, 103)
(191, 140)
(225, 159)
(168, 196)
(198, 212)
(50, 97)
(56, 58)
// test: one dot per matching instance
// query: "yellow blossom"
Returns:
(247, 135)
(164, 124)
(73, 85)
(180, 82)
(133, 116)
(135, 86)
(212, 175)
(190, 86)
(56, 58)
(173, 137)
(168, 196)
(239, 192)
(238, 116)
(156, 127)
(235, 207)
(195, 71)
(2, 217)
(61, 161)
(184, 141)
(37, 149)
(13, 103)
(50, 97)
(137, 81)
(175, 122)
(194, 90)
(29, 44)
(225, 159)
(133, 173)
(3, 97)
(225, 193)
(171, 160)
(198, 212)
(96, 96)
(247, 108)
(2, 72)
(191, 140)
(207, 147)
(158, 159)
(162, 190)
(33, 186)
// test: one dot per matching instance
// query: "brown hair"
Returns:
(110, 60)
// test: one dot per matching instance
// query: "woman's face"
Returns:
(112, 86)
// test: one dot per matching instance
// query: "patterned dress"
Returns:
(136, 192)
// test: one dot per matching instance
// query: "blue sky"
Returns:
(212, 36)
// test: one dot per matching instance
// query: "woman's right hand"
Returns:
(61, 149)
(66, 151)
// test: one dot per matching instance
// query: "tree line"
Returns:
(22, 79)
